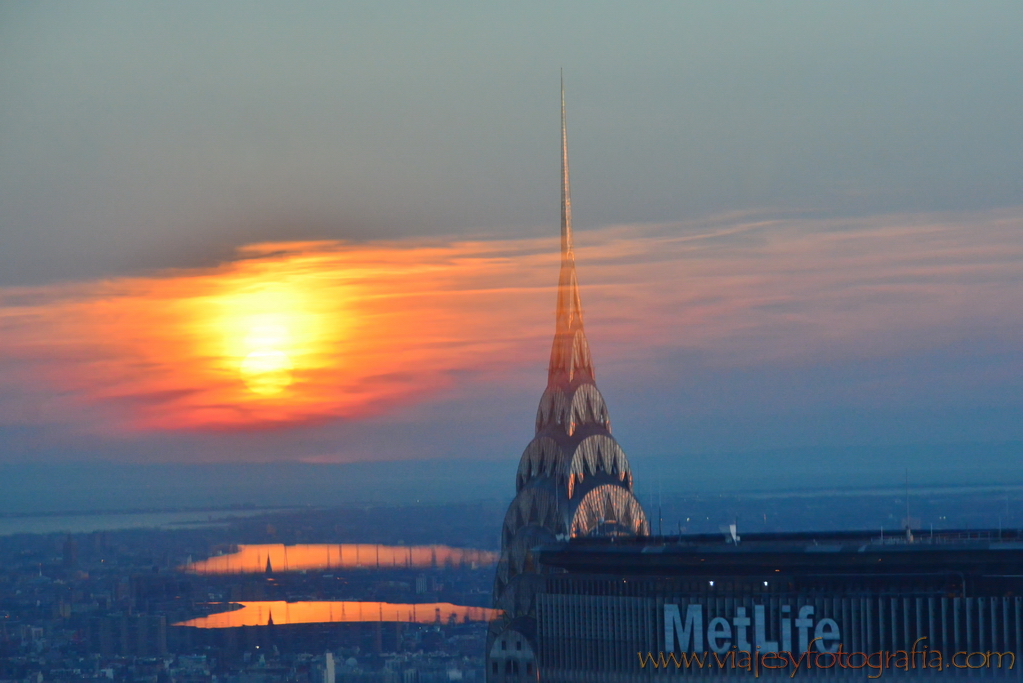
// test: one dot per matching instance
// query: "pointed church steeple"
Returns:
(570, 354)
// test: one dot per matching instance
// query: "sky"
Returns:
(327, 232)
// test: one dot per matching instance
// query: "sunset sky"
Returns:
(328, 232)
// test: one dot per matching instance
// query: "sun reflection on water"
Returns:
(264, 613)
(276, 557)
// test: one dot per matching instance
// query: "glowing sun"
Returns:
(266, 371)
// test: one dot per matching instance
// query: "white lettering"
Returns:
(741, 622)
(719, 635)
(674, 629)
(786, 629)
(803, 624)
(826, 630)
(760, 630)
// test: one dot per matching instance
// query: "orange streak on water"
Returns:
(252, 559)
(282, 613)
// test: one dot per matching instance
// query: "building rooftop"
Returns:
(952, 561)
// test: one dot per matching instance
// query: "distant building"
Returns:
(69, 556)
(328, 668)
(142, 635)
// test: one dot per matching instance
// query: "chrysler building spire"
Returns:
(570, 354)
(573, 478)
(566, 189)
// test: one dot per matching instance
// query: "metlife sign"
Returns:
(696, 630)
(580, 635)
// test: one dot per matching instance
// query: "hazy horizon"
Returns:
(109, 486)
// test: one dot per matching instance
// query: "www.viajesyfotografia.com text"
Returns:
(756, 662)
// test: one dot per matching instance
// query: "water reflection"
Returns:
(281, 613)
(281, 558)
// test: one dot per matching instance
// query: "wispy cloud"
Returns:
(357, 330)
(290, 334)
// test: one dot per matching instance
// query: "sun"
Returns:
(266, 371)
(268, 332)
(267, 366)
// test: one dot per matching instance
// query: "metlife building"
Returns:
(846, 605)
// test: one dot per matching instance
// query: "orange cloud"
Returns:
(298, 333)
(284, 334)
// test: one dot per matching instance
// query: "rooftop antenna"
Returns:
(907, 497)
(660, 517)
(908, 522)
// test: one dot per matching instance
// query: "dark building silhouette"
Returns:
(142, 635)
(69, 555)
